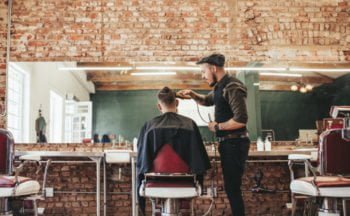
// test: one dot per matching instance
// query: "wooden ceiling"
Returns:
(123, 80)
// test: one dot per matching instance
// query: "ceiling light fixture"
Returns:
(281, 74)
(168, 73)
(95, 68)
(320, 69)
(178, 68)
(254, 69)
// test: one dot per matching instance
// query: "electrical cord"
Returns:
(210, 207)
(199, 113)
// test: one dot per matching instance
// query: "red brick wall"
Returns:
(116, 30)
(299, 30)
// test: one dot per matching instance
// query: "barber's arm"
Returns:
(205, 100)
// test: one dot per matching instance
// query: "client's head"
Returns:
(167, 101)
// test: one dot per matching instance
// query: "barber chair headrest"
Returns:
(340, 111)
(334, 152)
(6, 152)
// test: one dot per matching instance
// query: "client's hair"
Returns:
(166, 96)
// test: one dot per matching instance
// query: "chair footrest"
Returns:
(171, 192)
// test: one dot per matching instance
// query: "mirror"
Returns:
(114, 103)
(48, 105)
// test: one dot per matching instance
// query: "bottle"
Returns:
(134, 144)
(260, 144)
(267, 144)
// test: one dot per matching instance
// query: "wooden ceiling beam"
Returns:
(109, 77)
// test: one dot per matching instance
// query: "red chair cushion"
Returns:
(329, 181)
(10, 181)
(169, 184)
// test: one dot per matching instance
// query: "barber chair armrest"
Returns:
(48, 163)
(305, 159)
(30, 158)
(17, 171)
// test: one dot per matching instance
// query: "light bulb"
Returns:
(309, 87)
(294, 88)
(303, 90)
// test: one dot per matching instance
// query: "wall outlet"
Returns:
(49, 192)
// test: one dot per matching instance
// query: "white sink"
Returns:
(117, 155)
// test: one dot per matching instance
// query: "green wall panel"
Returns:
(125, 112)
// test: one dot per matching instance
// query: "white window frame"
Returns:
(22, 104)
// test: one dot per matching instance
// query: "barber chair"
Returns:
(169, 182)
(14, 187)
(333, 163)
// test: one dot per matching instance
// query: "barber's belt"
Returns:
(232, 136)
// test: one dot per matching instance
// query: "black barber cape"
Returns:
(181, 133)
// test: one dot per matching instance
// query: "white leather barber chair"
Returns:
(333, 162)
(169, 182)
(14, 187)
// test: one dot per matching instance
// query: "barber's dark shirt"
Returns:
(233, 94)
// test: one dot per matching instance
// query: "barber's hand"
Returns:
(211, 126)
(184, 94)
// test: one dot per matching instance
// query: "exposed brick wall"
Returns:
(110, 30)
(3, 36)
(118, 30)
(298, 30)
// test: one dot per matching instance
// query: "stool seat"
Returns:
(25, 186)
(326, 186)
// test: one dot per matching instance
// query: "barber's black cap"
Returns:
(214, 59)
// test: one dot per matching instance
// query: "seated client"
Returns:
(180, 132)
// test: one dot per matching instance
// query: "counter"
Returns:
(75, 184)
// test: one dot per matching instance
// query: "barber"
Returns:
(229, 97)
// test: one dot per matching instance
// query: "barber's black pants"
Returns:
(233, 154)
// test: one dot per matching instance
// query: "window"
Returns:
(18, 103)
(56, 117)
